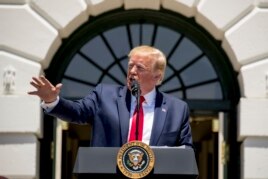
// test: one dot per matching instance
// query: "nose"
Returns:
(133, 69)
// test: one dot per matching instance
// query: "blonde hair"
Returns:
(152, 53)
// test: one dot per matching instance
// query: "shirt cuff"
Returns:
(49, 106)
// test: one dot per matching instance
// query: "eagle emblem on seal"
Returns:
(136, 159)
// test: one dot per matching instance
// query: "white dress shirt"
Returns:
(148, 111)
(49, 106)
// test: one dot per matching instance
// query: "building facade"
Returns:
(32, 33)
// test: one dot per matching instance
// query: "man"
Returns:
(109, 108)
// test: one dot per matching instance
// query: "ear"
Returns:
(157, 76)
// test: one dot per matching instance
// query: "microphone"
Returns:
(135, 91)
(135, 88)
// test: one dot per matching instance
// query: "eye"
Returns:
(130, 66)
(141, 68)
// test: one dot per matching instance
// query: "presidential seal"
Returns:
(135, 159)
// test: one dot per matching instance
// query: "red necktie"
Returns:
(134, 121)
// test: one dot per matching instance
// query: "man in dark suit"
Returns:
(109, 108)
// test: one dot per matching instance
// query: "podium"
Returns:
(101, 162)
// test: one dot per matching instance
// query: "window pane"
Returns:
(117, 37)
(209, 91)
(166, 39)
(198, 72)
(81, 69)
(171, 84)
(185, 53)
(97, 50)
(74, 90)
(147, 34)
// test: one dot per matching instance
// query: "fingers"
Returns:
(58, 86)
(40, 82)
(45, 81)
(37, 81)
(33, 92)
(34, 84)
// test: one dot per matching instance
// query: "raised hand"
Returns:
(44, 89)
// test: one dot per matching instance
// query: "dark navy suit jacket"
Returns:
(107, 109)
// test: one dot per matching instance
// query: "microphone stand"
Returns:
(135, 90)
(138, 114)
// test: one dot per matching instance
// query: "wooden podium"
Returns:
(170, 162)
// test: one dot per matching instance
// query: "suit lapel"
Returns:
(123, 105)
(159, 118)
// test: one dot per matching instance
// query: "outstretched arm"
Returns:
(44, 89)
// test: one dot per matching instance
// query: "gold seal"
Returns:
(135, 159)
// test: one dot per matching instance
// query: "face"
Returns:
(141, 69)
